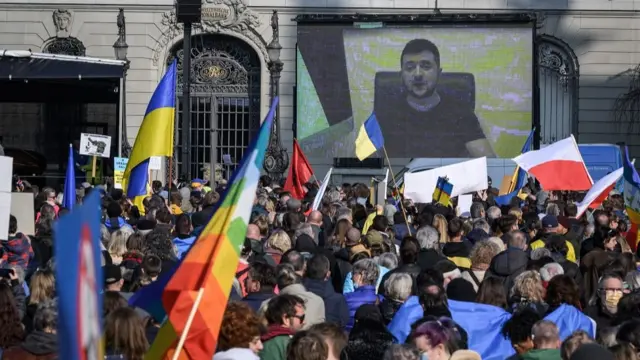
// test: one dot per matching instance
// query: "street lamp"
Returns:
(276, 159)
(120, 49)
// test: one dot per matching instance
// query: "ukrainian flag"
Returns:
(631, 189)
(369, 138)
(442, 193)
(155, 137)
(519, 178)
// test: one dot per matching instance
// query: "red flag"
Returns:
(300, 173)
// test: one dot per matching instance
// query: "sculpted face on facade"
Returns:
(62, 19)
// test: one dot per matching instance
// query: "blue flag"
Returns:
(483, 324)
(78, 259)
(69, 195)
(519, 176)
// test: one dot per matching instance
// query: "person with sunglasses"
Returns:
(285, 316)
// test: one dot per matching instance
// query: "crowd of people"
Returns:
(332, 283)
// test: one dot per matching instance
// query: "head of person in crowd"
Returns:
(158, 242)
(334, 337)
(562, 289)
(390, 261)
(13, 331)
(492, 292)
(610, 291)
(506, 224)
(438, 339)
(605, 238)
(493, 214)
(573, 342)
(286, 311)
(296, 260)
(398, 287)
(428, 238)
(477, 210)
(441, 224)
(549, 271)
(545, 335)
(113, 280)
(409, 249)
(42, 286)
(590, 351)
(518, 330)
(240, 331)
(402, 352)
(279, 241)
(112, 300)
(369, 338)
(307, 345)
(261, 278)
(516, 240)
(483, 225)
(528, 291)
(365, 272)
(124, 334)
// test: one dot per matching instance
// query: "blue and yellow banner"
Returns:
(631, 189)
(442, 193)
(78, 262)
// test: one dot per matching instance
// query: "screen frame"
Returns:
(439, 19)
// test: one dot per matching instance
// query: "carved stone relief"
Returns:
(63, 20)
(218, 16)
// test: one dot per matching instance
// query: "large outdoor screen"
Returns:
(437, 91)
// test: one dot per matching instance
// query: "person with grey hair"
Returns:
(304, 228)
(331, 196)
(365, 276)
(513, 261)
(290, 283)
(539, 253)
(42, 342)
(552, 209)
(388, 260)
(402, 352)
(482, 224)
(344, 213)
(397, 290)
(546, 340)
(549, 271)
(493, 213)
(429, 241)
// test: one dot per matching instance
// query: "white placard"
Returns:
(22, 209)
(95, 145)
(6, 174)
(5, 211)
(466, 177)
(226, 159)
(155, 163)
(464, 204)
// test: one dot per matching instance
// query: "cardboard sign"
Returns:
(22, 209)
(155, 163)
(6, 186)
(119, 166)
(95, 145)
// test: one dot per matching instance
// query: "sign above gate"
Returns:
(215, 12)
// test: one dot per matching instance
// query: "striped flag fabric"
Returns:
(631, 189)
(155, 138)
(519, 179)
(369, 138)
(558, 166)
(599, 192)
(442, 192)
(202, 281)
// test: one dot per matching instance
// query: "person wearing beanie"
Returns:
(460, 289)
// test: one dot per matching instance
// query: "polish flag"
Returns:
(558, 166)
(599, 192)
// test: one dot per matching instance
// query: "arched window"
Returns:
(558, 82)
(65, 46)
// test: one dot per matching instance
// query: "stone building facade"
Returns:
(587, 49)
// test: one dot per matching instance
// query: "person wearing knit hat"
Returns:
(460, 289)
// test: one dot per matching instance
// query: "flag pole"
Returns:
(393, 179)
(187, 326)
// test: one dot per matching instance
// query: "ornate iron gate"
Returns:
(225, 104)
(558, 82)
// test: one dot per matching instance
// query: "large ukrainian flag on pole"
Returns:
(369, 138)
(155, 137)
(631, 189)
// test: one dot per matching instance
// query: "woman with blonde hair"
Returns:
(118, 244)
(124, 335)
(440, 223)
(528, 292)
(43, 288)
(277, 244)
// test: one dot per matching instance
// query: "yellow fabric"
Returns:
(460, 261)
(175, 209)
(87, 169)
(369, 222)
(571, 253)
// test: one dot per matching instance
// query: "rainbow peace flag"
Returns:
(207, 270)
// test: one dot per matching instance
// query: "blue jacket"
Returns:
(122, 223)
(335, 305)
(401, 231)
(183, 243)
(348, 281)
(361, 296)
(255, 300)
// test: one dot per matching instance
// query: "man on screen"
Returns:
(419, 120)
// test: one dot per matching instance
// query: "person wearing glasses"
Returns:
(285, 316)
(604, 304)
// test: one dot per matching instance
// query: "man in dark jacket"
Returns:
(259, 283)
(317, 281)
(511, 262)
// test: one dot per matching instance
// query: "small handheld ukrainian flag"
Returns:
(369, 138)
(442, 193)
